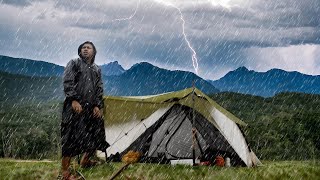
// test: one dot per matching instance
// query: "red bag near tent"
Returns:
(219, 161)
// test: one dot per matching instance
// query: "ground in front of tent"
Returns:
(17, 169)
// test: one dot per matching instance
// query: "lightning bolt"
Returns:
(194, 54)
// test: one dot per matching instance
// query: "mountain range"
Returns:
(268, 83)
(141, 79)
(112, 68)
(146, 79)
(31, 67)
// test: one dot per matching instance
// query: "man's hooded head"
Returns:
(94, 49)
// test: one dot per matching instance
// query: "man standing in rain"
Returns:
(82, 126)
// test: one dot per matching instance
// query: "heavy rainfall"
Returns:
(190, 87)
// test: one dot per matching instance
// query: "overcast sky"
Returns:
(225, 34)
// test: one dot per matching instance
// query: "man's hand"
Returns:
(76, 106)
(96, 112)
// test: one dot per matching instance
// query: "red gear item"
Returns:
(219, 161)
(205, 163)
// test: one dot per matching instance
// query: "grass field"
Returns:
(15, 169)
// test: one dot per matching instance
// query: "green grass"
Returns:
(13, 169)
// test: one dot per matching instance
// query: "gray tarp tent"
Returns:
(160, 127)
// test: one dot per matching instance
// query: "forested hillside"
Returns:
(283, 127)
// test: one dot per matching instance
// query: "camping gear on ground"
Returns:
(184, 161)
(219, 161)
(160, 127)
(205, 163)
(228, 163)
(130, 158)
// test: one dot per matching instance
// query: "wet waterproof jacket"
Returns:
(82, 132)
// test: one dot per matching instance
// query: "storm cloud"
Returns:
(259, 34)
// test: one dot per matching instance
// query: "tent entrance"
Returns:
(174, 137)
(170, 137)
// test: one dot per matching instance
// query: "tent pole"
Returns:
(193, 131)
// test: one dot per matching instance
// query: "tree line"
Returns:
(283, 127)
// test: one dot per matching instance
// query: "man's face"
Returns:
(87, 51)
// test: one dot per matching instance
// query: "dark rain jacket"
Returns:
(83, 82)
(82, 132)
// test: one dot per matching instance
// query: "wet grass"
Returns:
(13, 169)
